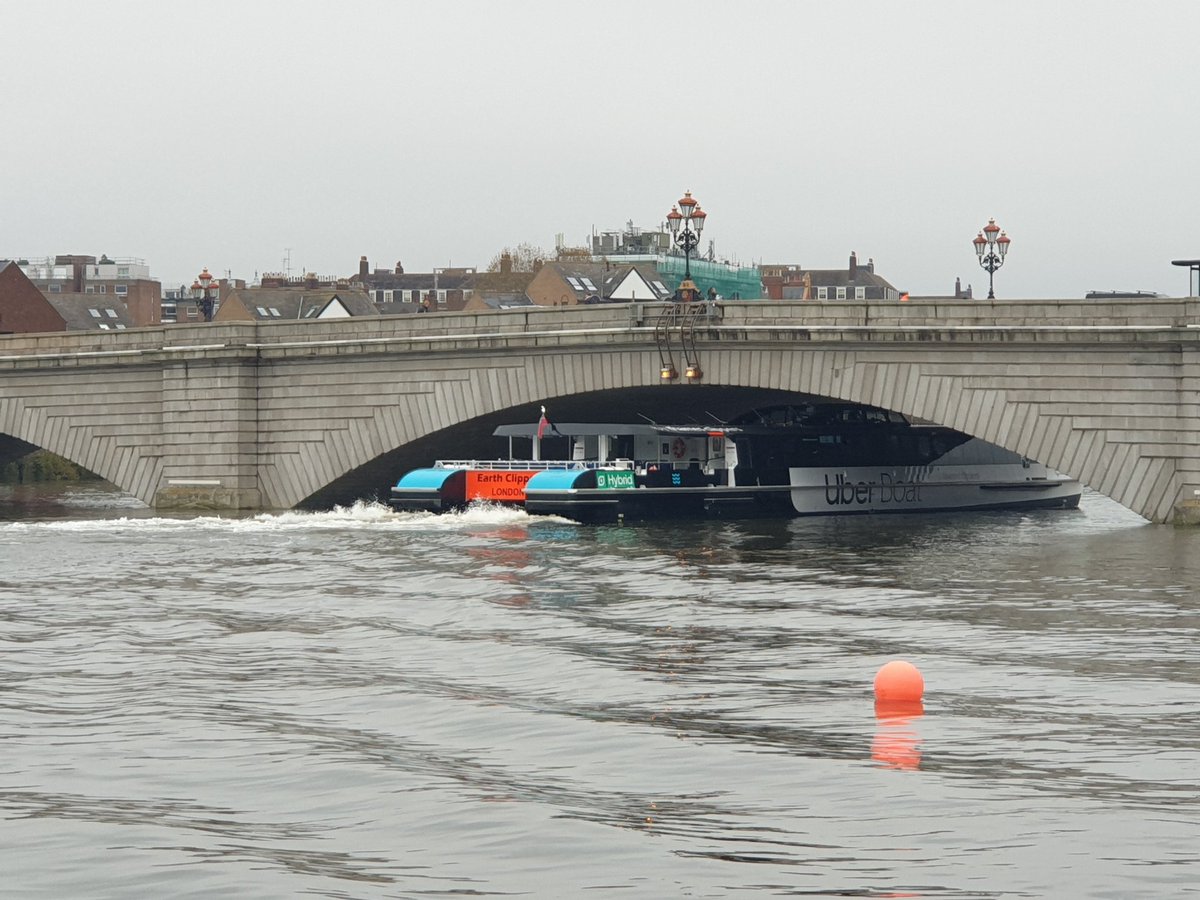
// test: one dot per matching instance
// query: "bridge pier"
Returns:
(1187, 512)
(209, 430)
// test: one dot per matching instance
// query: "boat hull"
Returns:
(814, 493)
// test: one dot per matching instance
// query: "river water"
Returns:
(363, 704)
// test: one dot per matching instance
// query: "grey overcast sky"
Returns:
(435, 133)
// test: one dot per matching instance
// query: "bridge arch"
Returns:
(68, 421)
(956, 394)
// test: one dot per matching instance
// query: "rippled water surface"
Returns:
(363, 704)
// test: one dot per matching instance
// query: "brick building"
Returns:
(26, 309)
(265, 304)
(127, 279)
(442, 289)
(855, 282)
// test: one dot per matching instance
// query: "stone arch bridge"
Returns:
(283, 414)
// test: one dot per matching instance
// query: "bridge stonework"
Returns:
(250, 416)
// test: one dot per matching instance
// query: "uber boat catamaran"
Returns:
(788, 460)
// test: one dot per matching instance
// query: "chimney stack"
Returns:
(505, 264)
(363, 270)
(399, 268)
(853, 265)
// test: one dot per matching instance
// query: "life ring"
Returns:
(678, 448)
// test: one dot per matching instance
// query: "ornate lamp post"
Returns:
(686, 221)
(201, 289)
(991, 251)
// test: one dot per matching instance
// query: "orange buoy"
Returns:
(899, 680)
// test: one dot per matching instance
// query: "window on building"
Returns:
(822, 293)
(104, 289)
(387, 296)
(841, 293)
(95, 313)
(262, 311)
(120, 326)
(123, 271)
(192, 312)
(112, 313)
(379, 297)
(860, 293)
(90, 289)
(121, 289)
(104, 326)
(441, 298)
(275, 312)
(56, 288)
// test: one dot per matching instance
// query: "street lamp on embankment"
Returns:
(991, 246)
(686, 221)
(1193, 267)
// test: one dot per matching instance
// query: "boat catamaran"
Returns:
(787, 460)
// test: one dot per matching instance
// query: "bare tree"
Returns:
(523, 257)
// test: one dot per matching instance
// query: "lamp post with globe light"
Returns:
(686, 221)
(203, 292)
(991, 246)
